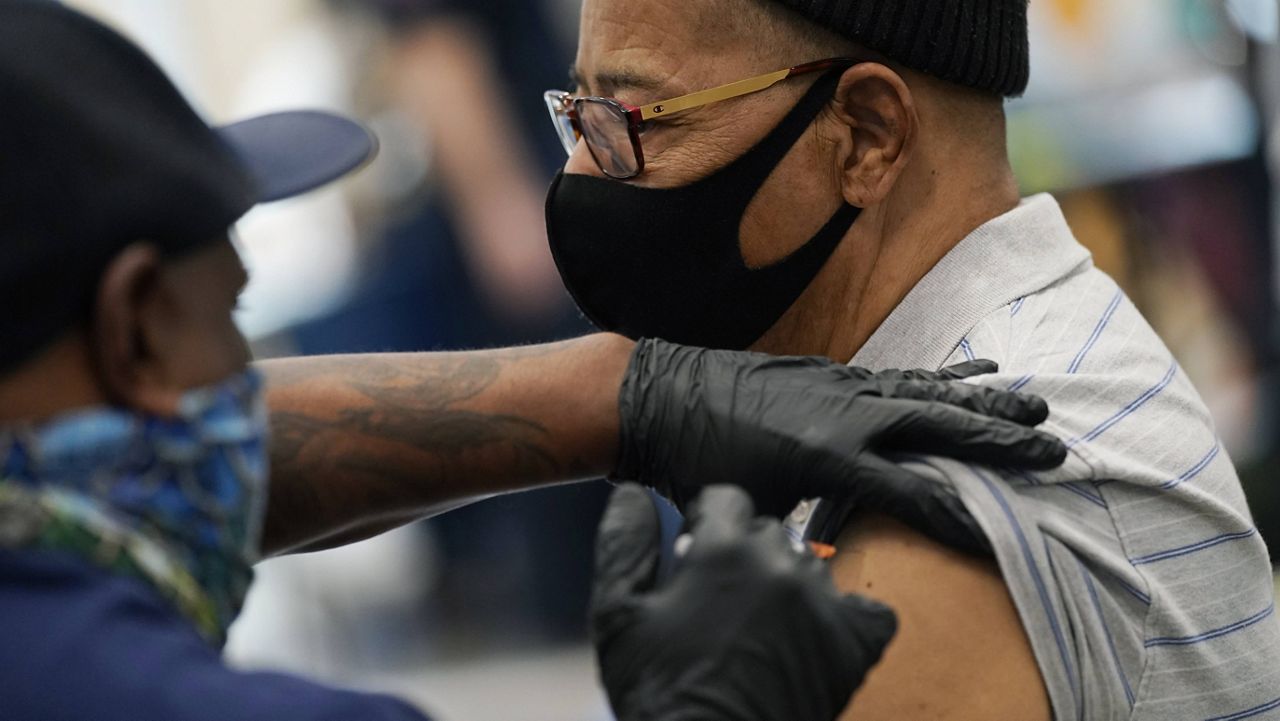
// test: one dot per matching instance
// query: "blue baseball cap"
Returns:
(290, 153)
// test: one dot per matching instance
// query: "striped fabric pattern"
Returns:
(1142, 582)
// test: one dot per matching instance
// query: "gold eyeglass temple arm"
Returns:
(703, 97)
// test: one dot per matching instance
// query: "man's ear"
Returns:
(879, 121)
(132, 315)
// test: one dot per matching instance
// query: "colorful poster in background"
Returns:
(1120, 90)
(1144, 117)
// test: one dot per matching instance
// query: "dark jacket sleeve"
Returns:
(84, 644)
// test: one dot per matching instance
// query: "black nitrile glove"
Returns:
(748, 628)
(790, 428)
(927, 506)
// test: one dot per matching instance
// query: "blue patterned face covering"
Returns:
(177, 502)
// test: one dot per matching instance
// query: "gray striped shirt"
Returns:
(1136, 568)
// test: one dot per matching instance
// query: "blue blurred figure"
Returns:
(469, 267)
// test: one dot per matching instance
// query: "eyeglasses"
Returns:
(612, 128)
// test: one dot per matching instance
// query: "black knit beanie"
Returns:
(980, 44)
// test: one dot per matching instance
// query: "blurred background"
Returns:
(1155, 122)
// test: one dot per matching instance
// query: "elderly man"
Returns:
(830, 177)
(134, 447)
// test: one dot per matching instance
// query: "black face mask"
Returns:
(667, 263)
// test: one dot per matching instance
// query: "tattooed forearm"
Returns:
(290, 433)
(419, 405)
(357, 437)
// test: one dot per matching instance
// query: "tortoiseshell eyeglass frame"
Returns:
(564, 106)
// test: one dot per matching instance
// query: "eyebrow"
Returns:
(611, 81)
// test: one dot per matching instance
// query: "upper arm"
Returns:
(960, 653)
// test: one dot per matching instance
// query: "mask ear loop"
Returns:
(760, 161)
(755, 166)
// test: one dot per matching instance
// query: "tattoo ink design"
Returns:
(420, 410)
(410, 407)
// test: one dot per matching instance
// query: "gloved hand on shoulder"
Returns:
(787, 429)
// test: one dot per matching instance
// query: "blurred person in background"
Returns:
(463, 263)
(487, 169)
(135, 446)
(832, 177)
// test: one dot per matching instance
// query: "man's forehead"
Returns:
(645, 44)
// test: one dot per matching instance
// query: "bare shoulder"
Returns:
(961, 653)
